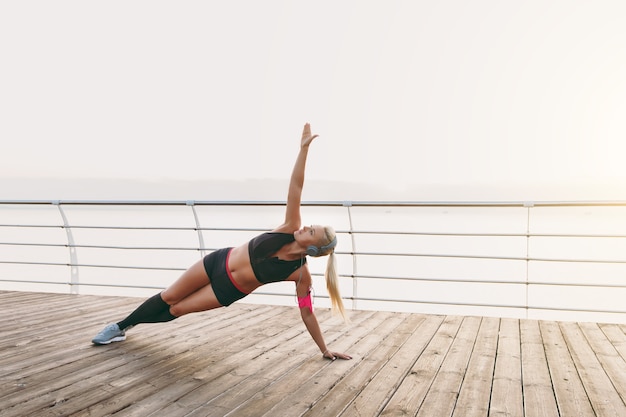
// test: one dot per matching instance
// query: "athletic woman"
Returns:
(227, 275)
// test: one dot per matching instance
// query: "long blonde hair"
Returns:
(332, 281)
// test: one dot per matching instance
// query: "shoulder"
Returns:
(268, 243)
(302, 277)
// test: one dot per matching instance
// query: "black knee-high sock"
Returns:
(153, 310)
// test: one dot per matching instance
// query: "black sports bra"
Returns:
(268, 268)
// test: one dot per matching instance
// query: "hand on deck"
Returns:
(334, 355)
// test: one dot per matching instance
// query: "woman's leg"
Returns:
(189, 282)
(191, 292)
(202, 300)
(157, 309)
(153, 310)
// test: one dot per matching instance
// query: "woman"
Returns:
(227, 275)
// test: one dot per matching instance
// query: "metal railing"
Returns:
(561, 260)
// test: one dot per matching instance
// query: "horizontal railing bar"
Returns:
(414, 255)
(140, 268)
(151, 268)
(36, 226)
(35, 263)
(357, 203)
(355, 232)
(484, 281)
(194, 249)
(452, 280)
(431, 255)
(191, 229)
(100, 227)
(44, 245)
(479, 234)
(65, 245)
(575, 235)
(147, 287)
(83, 284)
(530, 307)
(24, 281)
(500, 258)
(452, 303)
(576, 309)
(588, 261)
(450, 234)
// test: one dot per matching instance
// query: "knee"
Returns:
(168, 298)
(176, 311)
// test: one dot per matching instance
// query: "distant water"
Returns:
(262, 189)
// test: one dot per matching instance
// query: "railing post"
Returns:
(74, 278)
(355, 295)
(529, 205)
(192, 204)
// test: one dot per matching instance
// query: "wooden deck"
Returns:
(251, 360)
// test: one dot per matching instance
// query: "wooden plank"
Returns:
(274, 363)
(616, 336)
(215, 374)
(539, 398)
(172, 371)
(29, 321)
(376, 394)
(140, 393)
(259, 360)
(109, 364)
(602, 395)
(475, 391)
(39, 339)
(75, 362)
(45, 351)
(361, 376)
(307, 384)
(443, 393)
(568, 388)
(506, 391)
(331, 381)
(411, 393)
(610, 359)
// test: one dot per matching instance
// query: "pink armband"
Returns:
(306, 301)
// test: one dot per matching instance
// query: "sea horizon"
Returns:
(268, 189)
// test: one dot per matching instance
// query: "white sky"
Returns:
(478, 93)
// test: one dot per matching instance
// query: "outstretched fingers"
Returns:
(307, 137)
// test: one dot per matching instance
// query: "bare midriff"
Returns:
(241, 270)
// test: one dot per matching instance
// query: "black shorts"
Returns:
(216, 266)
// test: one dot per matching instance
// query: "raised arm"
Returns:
(292, 214)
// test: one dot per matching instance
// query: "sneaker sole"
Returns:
(106, 342)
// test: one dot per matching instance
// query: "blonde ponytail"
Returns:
(333, 287)
(332, 281)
